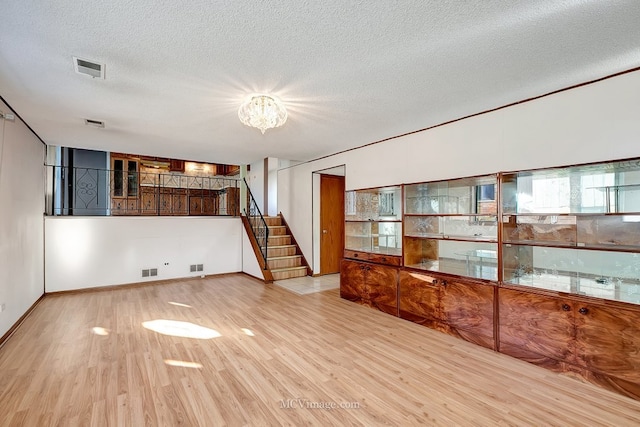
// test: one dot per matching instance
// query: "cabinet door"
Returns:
(536, 328)
(467, 309)
(608, 340)
(148, 201)
(166, 201)
(419, 298)
(381, 288)
(179, 202)
(352, 286)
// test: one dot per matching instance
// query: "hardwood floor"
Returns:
(256, 354)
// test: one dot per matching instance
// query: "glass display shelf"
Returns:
(459, 227)
(382, 237)
(602, 274)
(612, 187)
(476, 195)
(464, 258)
(375, 204)
(620, 232)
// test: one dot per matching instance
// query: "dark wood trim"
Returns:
(266, 272)
(22, 120)
(16, 325)
(294, 242)
(512, 104)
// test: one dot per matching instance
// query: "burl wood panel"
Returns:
(533, 325)
(352, 286)
(417, 249)
(608, 340)
(375, 286)
(381, 288)
(467, 307)
(419, 298)
(385, 259)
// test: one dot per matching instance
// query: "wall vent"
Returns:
(199, 267)
(153, 272)
(88, 68)
(94, 123)
(192, 268)
(145, 273)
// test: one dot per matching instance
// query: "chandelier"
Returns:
(262, 112)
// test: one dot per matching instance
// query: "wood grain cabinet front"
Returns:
(368, 284)
(459, 307)
(600, 341)
(536, 328)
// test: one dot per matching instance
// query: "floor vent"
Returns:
(88, 68)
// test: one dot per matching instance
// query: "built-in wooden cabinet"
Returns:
(542, 265)
(596, 339)
(125, 188)
(372, 285)
(456, 306)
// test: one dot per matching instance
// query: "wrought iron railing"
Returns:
(257, 224)
(89, 191)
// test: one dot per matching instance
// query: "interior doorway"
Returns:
(331, 221)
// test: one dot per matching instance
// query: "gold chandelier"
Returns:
(262, 112)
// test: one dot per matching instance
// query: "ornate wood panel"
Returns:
(467, 308)
(419, 298)
(369, 284)
(148, 201)
(352, 286)
(534, 327)
(381, 289)
(608, 340)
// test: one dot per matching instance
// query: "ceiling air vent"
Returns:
(94, 123)
(88, 68)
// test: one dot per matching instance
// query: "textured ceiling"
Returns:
(349, 72)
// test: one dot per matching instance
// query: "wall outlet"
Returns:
(3, 306)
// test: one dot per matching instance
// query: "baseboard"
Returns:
(15, 326)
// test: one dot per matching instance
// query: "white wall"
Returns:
(255, 179)
(21, 224)
(587, 124)
(86, 252)
(249, 261)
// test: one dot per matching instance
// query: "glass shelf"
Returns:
(602, 274)
(475, 195)
(382, 237)
(477, 228)
(463, 258)
(374, 204)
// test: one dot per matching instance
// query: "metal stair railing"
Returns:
(257, 224)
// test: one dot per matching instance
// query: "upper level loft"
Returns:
(86, 182)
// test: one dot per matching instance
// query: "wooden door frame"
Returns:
(339, 170)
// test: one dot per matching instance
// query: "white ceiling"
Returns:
(349, 72)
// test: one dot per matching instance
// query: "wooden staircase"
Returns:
(284, 257)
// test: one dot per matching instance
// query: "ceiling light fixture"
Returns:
(262, 112)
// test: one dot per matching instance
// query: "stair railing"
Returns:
(257, 224)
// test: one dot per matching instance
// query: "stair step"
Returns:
(284, 261)
(281, 250)
(277, 230)
(288, 273)
(273, 220)
(279, 240)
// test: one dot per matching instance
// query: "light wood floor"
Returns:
(274, 349)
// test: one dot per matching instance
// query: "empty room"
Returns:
(238, 213)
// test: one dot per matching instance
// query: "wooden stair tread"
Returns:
(280, 246)
(272, 258)
(278, 270)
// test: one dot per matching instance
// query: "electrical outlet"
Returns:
(3, 306)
